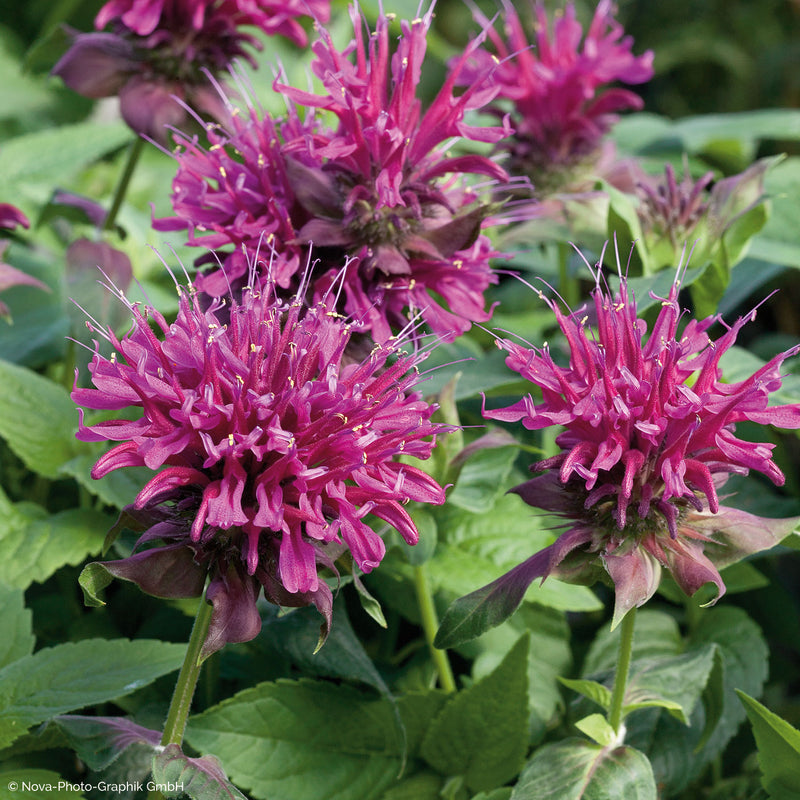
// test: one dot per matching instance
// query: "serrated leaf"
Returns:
(679, 754)
(294, 636)
(482, 478)
(549, 656)
(598, 729)
(35, 548)
(99, 741)
(76, 675)
(199, 778)
(656, 634)
(38, 419)
(43, 782)
(575, 769)
(778, 745)
(593, 690)
(675, 683)
(16, 634)
(54, 154)
(291, 740)
(745, 661)
(482, 732)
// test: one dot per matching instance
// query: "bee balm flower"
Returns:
(159, 50)
(270, 452)
(649, 436)
(558, 90)
(380, 190)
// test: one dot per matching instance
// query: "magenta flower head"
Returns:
(160, 50)
(269, 450)
(557, 88)
(649, 437)
(380, 190)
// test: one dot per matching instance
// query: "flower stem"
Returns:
(430, 624)
(187, 679)
(623, 668)
(122, 187)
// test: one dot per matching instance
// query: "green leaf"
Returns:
(99, 741)
(16, 634)
(679, 755)
(118, 488)
(38, 419)
(475, 549)
(43, 782)
(53, 155)
(94, 578)
(779, 240)
(778, 750)
(294, 636)
(298, 739)
(420, 786)
(675, 683)
(36, 549)
(593, 690)
(549, 656)
(199, 778)
(656, 634)
(699, 132)
(598, 729)
(428, 536)
(482, 732)
(76, 675)
(575, 769)
(482, 478)
(745, 661)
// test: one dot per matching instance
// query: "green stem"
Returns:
(187, 679)
(122, 187)
(430, 624)
(623, 668)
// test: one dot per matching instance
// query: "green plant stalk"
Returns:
(134, 152)
(623, 669)
(430, 624)
(181, 701)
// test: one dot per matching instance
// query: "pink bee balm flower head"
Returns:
(649, 436)
(239, 192)
(270, 452)
(379, 191)
(557, 87)
(160, 50)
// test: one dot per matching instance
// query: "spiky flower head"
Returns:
(649, 437)
(718, 217)
(558, 90)
(159, 50)
(269, 451)
(379, 189)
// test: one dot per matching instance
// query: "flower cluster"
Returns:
(379, 191)
(649, 437)
(271, 451)
(561, 106)
(159, 50)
